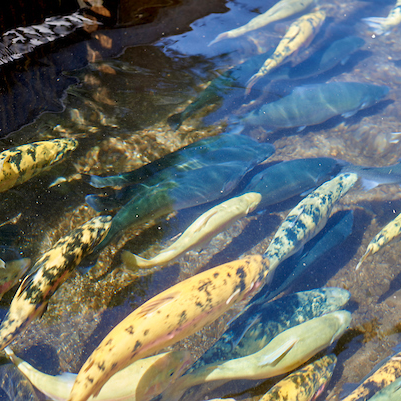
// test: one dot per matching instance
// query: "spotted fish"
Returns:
(382, 25)
(11, 273)
(391, 231)
(391, 392)
(307, 218)
(140, 381)
(202, 230)
(382, 377)
(169, 317)
(304, 384)
(281, 10)
(299, 34)
(285, 352)
(49, 272)
(21, 163)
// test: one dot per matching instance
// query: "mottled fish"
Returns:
(382, 25)
(49, 272)
(285, 352)
(281, 10)
(299, 34)
(21, 163)
(140, 381)
(390, 232)
(201, 231)
(169, 317)
(316, 103)
(305, 384)
(307, 218)
(392, 392)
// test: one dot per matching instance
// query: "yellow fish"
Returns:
(280, 10)
(381, 378)
(202, 230)
(307, 218)
(10, 274)
(169, 317)
(382, 25)
(21, 163)
(388, 233)
(283, 353)
(300, 33)
(49, 272)
(305, 383)
(140, 381)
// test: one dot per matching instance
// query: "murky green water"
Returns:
(128, 81)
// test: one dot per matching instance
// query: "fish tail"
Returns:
(175, 121)
(255, 78)
(367, 253)
(224, 35)
(134, 261)
(378, 24)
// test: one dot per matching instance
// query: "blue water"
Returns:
(118, 86)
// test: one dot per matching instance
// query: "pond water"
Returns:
(113, 88)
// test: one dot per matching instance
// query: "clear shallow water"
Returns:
(118, 110)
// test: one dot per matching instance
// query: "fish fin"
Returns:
(153, 305)
(25, 284)
(367, 253)
(67, 377)
(134, 262)
(204, 219)
(276, 356)
(344, 60)
(367, 185)
(2, 264)
(307, 192)
(18, 264)
(299, 129)
(350, 113)
(175, 121)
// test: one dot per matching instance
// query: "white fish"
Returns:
(382, 25)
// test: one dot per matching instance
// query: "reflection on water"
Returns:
(114, 88)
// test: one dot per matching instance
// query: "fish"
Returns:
(260, 322)
(285, 352)
(168, 317)
(335, 236)
(307, 218)
(281, 10)
(386, 374)
(392, 392)
(286, 179)
(48, 273)
(390, 232)
(382, 25)
(299, 34)
(306, 383)
(21, 163)
(11, 273)
(316, 103)
(140, 381)
(371, 177)
(202, 230)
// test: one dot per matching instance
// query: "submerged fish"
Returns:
(314, 104)
(307, 219)
(392, 392)
(21, 163)
(259, 323)
(299, 34)
(281, 10)
(140, 381)
(285, 352)
(202, 230)
(382, 25)
(391, 231)
(335, 236)
(289, 178)
(49, 272)
(11, 273)
(169, 317)
(305, 384)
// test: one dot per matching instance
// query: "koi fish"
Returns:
(382, 25)
(11, 273)
(21, 163)
(49, 272)
(316, 103)
(304, 384)
(281, 10)
(169, 317)
(392, 392)
(140, 381)
(285, 352)
(299, 34)
(201, 231)
(388, 233)
(307, 218)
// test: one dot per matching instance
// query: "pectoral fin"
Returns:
(276, 356)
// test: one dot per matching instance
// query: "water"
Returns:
(123, 83)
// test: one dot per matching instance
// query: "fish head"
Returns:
(373, 95)
(163, 372)
(252, 199)
(337, 297)
(343, 321)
